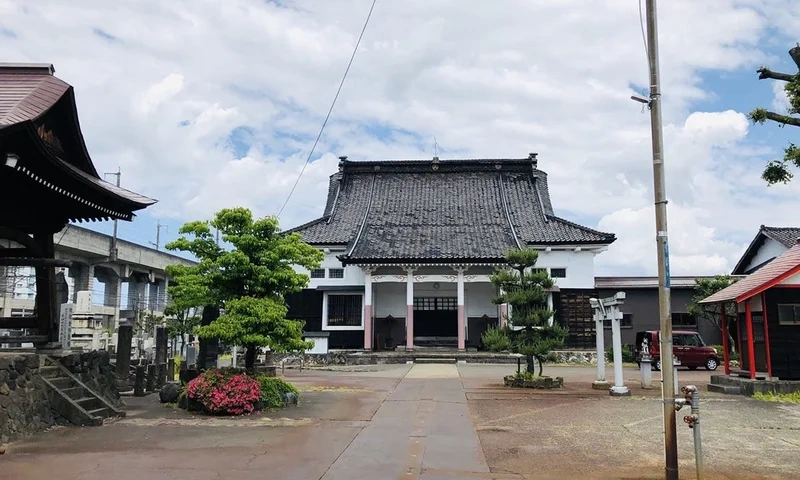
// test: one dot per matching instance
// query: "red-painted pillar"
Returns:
(726, 357)
(751, 346)
(766, 332)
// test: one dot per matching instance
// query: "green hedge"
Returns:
(272, 389)
(627, 354)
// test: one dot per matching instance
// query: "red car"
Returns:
(688, 346)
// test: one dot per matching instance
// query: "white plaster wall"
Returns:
(390, 298)
(793, 280)
(755, 305)
(352, 275)
(579, 265)
(770, 249)
(478, 299)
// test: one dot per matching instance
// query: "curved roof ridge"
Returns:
(504, 198)
(366, 215)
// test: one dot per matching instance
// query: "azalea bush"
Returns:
(218, 393)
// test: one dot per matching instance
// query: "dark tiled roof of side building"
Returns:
(441, 210)
(786, 236)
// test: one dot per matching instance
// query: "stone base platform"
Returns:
(736, 385)
(430, 356)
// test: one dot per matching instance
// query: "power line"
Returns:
(330, 110)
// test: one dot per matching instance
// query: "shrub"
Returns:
(734, 356)
(627, 354)
(778, 397)
(497, 339)
(219, 393)
(273, 390)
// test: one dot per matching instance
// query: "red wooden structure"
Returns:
(768, 307)
(47, 179)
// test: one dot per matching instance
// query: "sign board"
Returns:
(65, 325)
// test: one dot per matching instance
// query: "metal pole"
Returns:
(659, 190)
(698, 448)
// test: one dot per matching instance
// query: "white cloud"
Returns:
(162, 85)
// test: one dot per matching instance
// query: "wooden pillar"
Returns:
(751, 347)
(410, 309)
(766, 332)
(368, 335)
(461, 312)
(46, 311)
(726, 357)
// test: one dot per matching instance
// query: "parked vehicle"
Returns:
(688, 346)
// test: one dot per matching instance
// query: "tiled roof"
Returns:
(441, 210)
(781, 267)
(29, 95)
(785, 235)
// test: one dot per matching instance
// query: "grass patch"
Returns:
(778, 397)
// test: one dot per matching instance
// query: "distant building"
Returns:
(640, 310)
(409, 247)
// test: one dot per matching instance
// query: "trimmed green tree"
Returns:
(778, 171)
(704, 288)
(524, 288)
(249, 279)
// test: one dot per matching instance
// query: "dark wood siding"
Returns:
(784, 339)
(307, 306)
(574, 312)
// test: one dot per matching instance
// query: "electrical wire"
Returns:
(330, 110)
(644, 35)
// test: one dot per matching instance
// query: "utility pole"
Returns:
(158, 234)
(659, 190)
(113, 255)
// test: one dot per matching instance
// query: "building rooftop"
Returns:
(441, 210)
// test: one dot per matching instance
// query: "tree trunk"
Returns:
(529, 367)
(250, 358)
(731, 343)
(541, 365)
(183, 344)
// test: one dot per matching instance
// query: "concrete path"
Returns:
(424, 423)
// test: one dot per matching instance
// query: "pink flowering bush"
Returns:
(218, 393)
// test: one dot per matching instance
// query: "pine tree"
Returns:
(524, 288)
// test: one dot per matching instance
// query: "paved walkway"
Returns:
(401, 423)
(424, 423)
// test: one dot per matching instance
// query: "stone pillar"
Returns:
(152, 372)
(599, 327)
(84, 280)
(161, 345)
(139, 382)
(113, 288)
(163, 298)
(410, 309)
(368, 334)
(124, 338)
(619, 387)
(461, 313)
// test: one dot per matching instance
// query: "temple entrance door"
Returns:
(436, 318)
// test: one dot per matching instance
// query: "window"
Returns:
(318, 273)
(788, 314)
(558, 273)
(436, 303)
(687, 340)
(683, 319)
(626, 322)
(344, 310)
(336, 273)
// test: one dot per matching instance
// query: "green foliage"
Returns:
(733, 354)
(271, 390)
(248, 281)
(779, 171)
(497, 339)
(257, 321)
(778, 397)
(627, 354)
(526, 375)
(525, 289)
(704, 288)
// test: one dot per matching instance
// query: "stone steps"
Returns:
(73, 400)
(422, 360)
